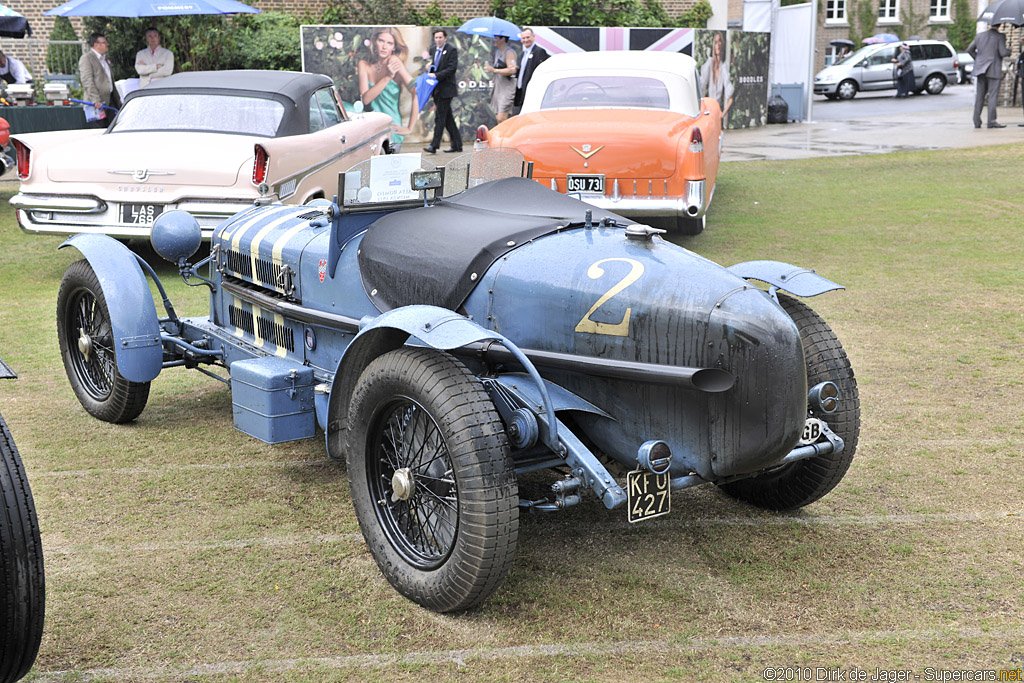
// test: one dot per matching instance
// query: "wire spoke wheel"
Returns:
(86, 337)
(94, 362)
(413, 481)
(431, 479)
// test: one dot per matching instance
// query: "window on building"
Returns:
(888, 11)
(939, 9)
(835, 11)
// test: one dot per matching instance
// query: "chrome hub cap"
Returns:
(84, 344)
(402, 485)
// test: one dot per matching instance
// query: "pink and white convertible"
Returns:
(207, 142)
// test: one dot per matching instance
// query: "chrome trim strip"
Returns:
(54, 203)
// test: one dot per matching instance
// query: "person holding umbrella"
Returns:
(503, 66)
(444, 60)
(988, 49)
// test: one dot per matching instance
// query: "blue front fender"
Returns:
(136, 328)
(793, 279)
(438, 328)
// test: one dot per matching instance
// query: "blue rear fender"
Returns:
(136, 329)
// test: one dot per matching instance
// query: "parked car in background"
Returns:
(628, 132)
(207, 142)
(965, 67)
(872, 68)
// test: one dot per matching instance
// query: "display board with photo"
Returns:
(733, 66)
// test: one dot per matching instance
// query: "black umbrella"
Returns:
(1004, 12)
(12, 24)
(841, 42)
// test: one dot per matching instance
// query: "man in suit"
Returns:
(97, 78)
(533, 55)
(445, 61)
(988, 49)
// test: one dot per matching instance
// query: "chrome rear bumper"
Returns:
(654, 210)
(61, 215)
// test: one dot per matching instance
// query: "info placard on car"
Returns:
(648, 495)
(585, 183)
(140, 214)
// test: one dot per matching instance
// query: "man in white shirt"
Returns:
(13, 71)
(533, 55)
(153, 62)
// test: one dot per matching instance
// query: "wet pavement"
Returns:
(865, 134)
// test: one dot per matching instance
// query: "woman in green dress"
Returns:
(382, 78)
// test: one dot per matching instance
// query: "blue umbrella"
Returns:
(882, 38)
(425, 84)
(148, 8)
(12, 24)
(490, 27)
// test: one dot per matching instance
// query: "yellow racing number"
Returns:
(621, 328)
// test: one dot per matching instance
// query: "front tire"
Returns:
(22, 583)
(432, 480)
(935, 84)
(847, 90)
(86, 340)
(805, 481)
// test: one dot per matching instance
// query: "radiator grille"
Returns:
(268, 330)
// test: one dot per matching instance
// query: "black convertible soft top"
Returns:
(436, 255)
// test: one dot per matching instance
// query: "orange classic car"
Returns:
(627, 131)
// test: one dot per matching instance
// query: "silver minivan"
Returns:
(872, 68)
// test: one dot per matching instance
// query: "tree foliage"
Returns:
(963, 29)
(602, 13)
(62, 59)
(863, 17)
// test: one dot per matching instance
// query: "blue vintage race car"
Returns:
(450, 329)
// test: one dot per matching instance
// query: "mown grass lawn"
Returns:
(180, 549)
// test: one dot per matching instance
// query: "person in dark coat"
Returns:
(988, 49)
(444, 63)
(532, 57)
(904, 71)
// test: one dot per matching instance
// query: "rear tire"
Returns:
(22, 583)
(847, 90)
(432, 480)
(934, 84)
(691, 226)
(86, 343)
(805, 481)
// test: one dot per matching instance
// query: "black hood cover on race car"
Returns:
(436, 255)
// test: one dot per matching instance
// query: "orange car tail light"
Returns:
(696, 140)
(24, 156)
(260, 165)
(481, 134)
(693, 159)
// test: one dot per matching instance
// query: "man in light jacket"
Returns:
(988, 49)
(153, 62)
(97, 78)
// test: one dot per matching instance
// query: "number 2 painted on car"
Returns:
(621, 328)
